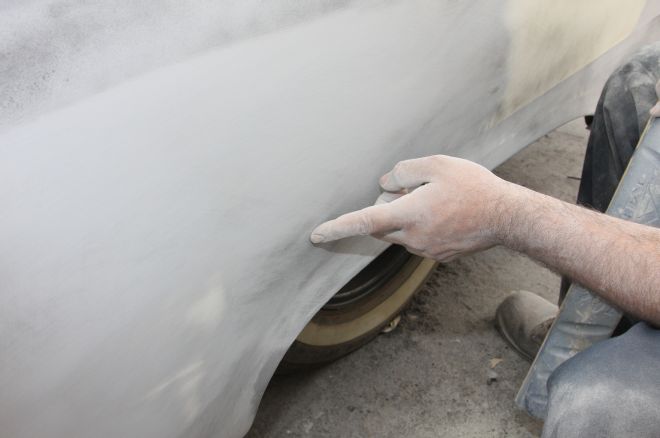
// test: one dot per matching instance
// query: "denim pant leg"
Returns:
(613, 388)
(609, 390)
(619, 120)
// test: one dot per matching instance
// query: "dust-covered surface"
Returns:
(430, 377)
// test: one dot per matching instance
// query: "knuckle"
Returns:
(365, 224)
(396, 175)
(398, 168)
(438, 160)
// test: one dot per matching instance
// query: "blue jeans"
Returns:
(609, 390)
(613, 388)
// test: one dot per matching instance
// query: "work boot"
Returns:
(523, 319)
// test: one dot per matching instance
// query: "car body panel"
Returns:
(155, 262)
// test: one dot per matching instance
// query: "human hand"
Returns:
(457, 207)
(655, 111)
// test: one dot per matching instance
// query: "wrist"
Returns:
(510, 211)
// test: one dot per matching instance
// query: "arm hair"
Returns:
(616, 259)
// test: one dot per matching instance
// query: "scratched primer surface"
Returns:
(162, 163)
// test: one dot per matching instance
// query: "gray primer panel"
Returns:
(153, 236)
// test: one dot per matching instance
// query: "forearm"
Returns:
(456, 207)
(617, 259)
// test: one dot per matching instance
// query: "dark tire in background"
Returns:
(360, 310)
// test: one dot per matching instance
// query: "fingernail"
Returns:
(317, 238)
(382, 180)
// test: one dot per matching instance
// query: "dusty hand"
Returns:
(655, 111)
(457, 207)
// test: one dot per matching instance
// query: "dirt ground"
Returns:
(429, 377)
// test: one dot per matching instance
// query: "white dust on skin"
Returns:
(131, 198)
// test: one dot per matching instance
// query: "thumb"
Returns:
(371, 220)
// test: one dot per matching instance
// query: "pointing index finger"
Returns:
(371, 220)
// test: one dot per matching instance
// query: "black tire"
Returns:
(351, 319)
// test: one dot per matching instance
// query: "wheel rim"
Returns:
(335, 326)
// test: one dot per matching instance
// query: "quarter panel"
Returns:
(154, 257)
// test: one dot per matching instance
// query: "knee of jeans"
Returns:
(583, 403)
(579, 397)
(608, 389)
(574, 411)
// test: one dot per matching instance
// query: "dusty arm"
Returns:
(459, 207)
